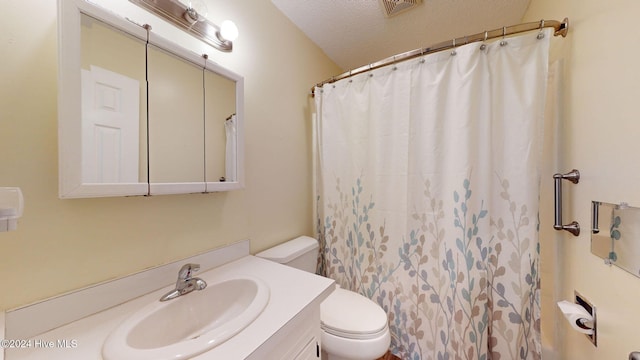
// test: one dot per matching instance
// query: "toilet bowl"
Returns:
(353, 326)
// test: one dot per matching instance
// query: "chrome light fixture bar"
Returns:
(187, 19)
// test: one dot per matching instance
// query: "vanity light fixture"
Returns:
(189, 19)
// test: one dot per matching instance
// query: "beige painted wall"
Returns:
(61, 245)
(600, 130)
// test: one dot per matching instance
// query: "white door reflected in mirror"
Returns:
(110, 127)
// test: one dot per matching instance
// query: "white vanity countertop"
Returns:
(291, 291)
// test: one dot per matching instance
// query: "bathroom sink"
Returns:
(189, 324)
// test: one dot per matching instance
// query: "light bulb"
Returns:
(228, 30)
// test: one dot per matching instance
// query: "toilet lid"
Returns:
(346, 313)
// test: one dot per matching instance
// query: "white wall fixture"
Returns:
(11, 207)
(394, 7)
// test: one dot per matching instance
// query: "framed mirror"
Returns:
(89, 162)
(615, 235)
(140, 115)
(224, 135)
(176, 120)
(113, 94)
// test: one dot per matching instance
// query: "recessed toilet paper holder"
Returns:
(580, 300)
(581, 316)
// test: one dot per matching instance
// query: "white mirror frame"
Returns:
(203, 187)
(69, 111)
(69, 103)
(238, 182)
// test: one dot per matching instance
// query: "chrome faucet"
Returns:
(185, 283)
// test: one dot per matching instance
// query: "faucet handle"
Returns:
(186, 271)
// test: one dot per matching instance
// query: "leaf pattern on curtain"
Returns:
(470, 301)
(428, 196)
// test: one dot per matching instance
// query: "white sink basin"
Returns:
(190, 324)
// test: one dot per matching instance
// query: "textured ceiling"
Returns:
(354, 33)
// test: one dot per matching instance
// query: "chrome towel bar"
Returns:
(574, 177)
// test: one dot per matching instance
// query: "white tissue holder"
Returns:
(11, 208)
(581, 315)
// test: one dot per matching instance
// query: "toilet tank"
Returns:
(300, 253)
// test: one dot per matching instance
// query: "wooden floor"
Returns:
(389, 356)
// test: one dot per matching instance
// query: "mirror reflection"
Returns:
(615, 235)
(113, 105)
(176, 118)
(220, 127)
(140, 115)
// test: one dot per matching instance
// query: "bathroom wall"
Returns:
(61, 245)
(599, 134)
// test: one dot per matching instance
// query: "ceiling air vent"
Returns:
(394, 7)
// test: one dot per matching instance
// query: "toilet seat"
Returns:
(354, 336)
(350, 315)
(337, 347)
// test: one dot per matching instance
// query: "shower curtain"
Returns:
(427, 196)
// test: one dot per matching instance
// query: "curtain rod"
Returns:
(561, 29)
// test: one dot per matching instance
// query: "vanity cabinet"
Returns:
(299, 339)
(310, 351)
(288, 327)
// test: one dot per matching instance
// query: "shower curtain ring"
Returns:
(484, 45)
(541, 34)
(453, 52)
(504, 34)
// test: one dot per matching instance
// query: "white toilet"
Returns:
(353, 326)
